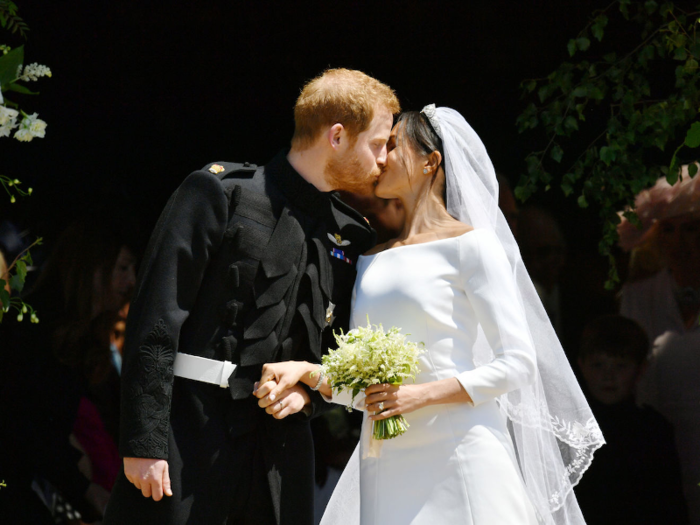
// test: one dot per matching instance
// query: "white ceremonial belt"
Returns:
(203, 369)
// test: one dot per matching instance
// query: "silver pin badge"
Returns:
(329, 314)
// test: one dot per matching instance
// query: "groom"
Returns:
(246, 265)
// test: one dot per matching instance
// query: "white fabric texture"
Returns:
(456, 463)
(514, 362)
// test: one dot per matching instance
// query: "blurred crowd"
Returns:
(637, 355)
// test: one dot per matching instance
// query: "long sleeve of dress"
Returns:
(490, 287)
(189, 231)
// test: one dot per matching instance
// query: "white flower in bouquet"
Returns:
(31, 127)
(33, 72)
(369, 356)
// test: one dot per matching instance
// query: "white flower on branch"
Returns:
(33, 72)
(7, 115)
(31, 127)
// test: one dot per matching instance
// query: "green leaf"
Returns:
(624, 8)
(595, 93)
(607, 155)
(582, 202)
(583, 43)
(21, 269)
(680, 54)
(571, 46)
(597, 28)
(16, 283)
(571, 123)
(18, 88)
(9, 64)
(692, 138)
(556, 153)
(581, 91)
(692, 170)
(650, 6)
(529, 85)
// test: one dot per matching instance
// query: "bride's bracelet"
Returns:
(321, 375)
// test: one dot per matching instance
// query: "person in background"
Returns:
(543, 248)
(662, 292)
(671, 386)
(55, 449)
(636, 477)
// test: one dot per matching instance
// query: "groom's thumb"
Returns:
(167, 490)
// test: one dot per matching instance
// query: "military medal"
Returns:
(340, 254)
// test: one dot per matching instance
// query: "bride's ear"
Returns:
(432, 163)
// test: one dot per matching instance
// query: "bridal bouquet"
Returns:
(368, 356)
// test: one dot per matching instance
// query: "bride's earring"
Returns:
(425, 171)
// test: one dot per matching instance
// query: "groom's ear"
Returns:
(337, 136)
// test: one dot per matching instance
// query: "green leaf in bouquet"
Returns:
(9, 65)
(18, 88)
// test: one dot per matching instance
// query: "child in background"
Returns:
(636, 477)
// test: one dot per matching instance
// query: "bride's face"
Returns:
(399, 176)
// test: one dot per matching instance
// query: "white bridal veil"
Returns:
(550, 422)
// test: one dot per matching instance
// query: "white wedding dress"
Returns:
(456, 464)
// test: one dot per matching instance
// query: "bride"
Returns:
(499, 429)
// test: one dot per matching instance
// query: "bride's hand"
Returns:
(278, 377)
(289, 402)
(397, 400)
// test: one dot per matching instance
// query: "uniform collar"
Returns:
(295, 188)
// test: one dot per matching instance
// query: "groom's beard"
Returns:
(347, 174)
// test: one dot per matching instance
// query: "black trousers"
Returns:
(217, 467)
(240, 498)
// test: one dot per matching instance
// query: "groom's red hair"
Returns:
(344, 96)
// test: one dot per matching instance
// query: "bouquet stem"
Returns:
(390, 427)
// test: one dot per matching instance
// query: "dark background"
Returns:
(143, 93)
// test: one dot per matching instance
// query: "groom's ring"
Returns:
(280, 404)
(380, 406)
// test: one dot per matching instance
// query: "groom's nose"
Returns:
(381, 158)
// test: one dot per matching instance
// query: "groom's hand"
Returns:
(150, 476)
(289, 402)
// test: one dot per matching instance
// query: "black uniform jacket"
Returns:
(246, 264)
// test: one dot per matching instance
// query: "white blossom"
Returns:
(8, 116)
(31, 127)
(8, 121)
(33, 72)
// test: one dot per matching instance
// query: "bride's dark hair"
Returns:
(415, 128)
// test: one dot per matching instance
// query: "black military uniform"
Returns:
(250, 265)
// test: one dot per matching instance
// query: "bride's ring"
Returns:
(280, 404)
(380, 406)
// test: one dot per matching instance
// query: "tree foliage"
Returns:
(10, 20)
(604, 116)
(12, 71)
